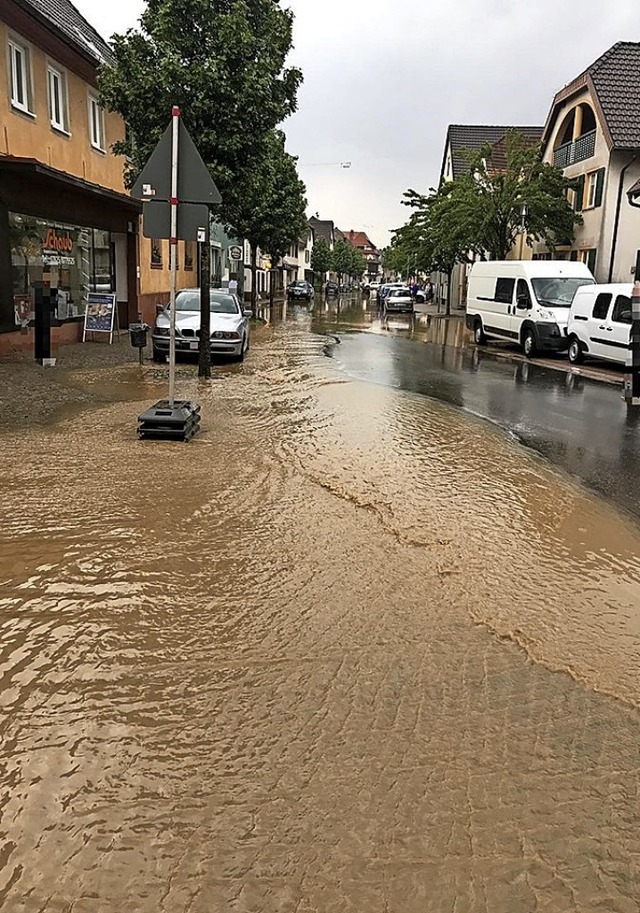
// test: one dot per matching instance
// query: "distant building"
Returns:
(373, 257)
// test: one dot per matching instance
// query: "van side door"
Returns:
(522, 308)
(503, 308)
(597, 325)
(618, 329)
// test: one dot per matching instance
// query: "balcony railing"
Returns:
(583, 148)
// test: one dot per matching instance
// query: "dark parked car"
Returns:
(331, 288)
(300, 291)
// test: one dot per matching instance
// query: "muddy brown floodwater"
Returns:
(349, 650)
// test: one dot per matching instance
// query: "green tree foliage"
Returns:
(268, 204)
(482, 212)
(397, 255)
(342, 260)
(222, 62)
(357, 263)
(321, 258)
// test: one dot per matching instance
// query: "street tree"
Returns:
(321, 258)
(268, 204)
(483, 212)
(222, 62)
(501, 196)
(342, 260)
(396, 256)
(357, 264)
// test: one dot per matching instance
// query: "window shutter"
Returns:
(599, 187)
(591, 260)
(573, 255)
(579, 194)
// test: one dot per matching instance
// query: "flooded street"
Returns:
(351, 649)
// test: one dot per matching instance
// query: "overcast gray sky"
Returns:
(384, 78)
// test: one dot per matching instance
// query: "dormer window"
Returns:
(576, 139)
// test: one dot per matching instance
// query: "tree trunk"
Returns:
(272, 284)
(448, 304)
(204, 349)
(254, 276)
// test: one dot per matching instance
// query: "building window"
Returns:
(189, 254)
(156, 253)
(588, 257)
(594, 187)
(96, 124)
(20, 77)
(58, 107)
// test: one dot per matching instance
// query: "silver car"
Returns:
(399, 299)
(229, 326)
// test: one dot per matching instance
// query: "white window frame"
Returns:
(16, 46)
(591, 185)
(97, 139)
(56, 73)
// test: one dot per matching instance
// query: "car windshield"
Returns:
(400, 292)
(298, 284)
(220, 304)
(557, 292)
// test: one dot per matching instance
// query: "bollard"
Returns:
(632, 370)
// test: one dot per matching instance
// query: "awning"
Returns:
(30, 187)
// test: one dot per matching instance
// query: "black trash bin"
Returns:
(138, 336)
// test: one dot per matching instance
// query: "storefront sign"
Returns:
(100, 314)
(58, 248)
(235, 252)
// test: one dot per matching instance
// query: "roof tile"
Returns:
(63, 15)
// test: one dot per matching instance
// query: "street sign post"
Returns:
(632, 370)
(173, 180)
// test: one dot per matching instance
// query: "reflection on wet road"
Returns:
(581, 425)
(350, 649)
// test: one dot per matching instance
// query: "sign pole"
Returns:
(632, 373)
(173, 244)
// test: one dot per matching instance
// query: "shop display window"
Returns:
(74, 259)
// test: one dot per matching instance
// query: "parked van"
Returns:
(526, 301)
(600, 322)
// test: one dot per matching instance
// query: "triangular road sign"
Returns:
(195, 184)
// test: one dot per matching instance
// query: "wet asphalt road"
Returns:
(582, 426)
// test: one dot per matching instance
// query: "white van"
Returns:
(526, 301)
(600, 322)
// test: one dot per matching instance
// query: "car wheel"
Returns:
(529, 343)
(576, 355)
(159, 357)
(478, 334)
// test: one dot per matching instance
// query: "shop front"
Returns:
(68, 235)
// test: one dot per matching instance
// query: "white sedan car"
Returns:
(229, 326)
(399, 299)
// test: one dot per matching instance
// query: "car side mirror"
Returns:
(523, 304)
(247, 313)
